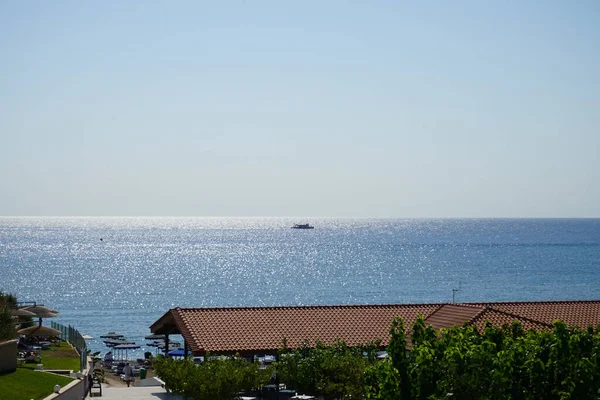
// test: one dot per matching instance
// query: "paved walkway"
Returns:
(135, 393)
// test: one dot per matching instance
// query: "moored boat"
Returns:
(303, 226)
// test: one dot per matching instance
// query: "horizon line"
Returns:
(299, 217)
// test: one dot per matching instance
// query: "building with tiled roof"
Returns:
(256, 330)
(580, 313)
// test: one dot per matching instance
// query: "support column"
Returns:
(166, 345)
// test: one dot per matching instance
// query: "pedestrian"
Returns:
(128, 371)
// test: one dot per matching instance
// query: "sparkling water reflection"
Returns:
(123, 273)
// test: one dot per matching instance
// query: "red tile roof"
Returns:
(580, 313)
(262, 329)
(499, 318)
(449, 315)
(252, 330)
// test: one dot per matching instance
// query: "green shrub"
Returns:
(499, 363)
(7, 325)
(215, 378)
(334, 371)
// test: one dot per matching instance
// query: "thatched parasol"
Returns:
(21, 312)
(39, 331)
(41, 311)
(112, 335)
(155, 337)
(125, 347)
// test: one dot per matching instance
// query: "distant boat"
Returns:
(303, 226)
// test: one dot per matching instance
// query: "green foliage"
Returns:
(499, 363)
(334, 371)
(25, 322)
(8, 299)
(215, 378)
(382, 381)
(7, 324)
(61, 356)
(399, 356)
(98, 371)
(462, 363)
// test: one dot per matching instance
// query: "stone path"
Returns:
(135, 393)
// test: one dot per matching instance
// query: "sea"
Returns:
(121, 274)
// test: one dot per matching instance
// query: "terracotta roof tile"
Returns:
(248, 329)
(452, 315)
(577, 313)
(499, 318)
(261, 329)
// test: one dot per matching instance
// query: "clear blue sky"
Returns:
(307, 108)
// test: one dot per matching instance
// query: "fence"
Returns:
(73, 336)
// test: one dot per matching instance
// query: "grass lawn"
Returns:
(25, 384)
(58, 357)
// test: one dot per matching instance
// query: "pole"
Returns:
(166, 345)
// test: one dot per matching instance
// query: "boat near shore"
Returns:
(303, 226)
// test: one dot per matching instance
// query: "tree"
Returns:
(335, 371)
(7, 324)
(497, 363)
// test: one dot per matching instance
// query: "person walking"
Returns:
(128, 371)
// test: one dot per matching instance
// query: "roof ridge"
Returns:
(518, 317)
(537, 302)
(457, 305)
(474, 305)
(381, 305)
(480, 312)
(315, 306)
(440, 306)
(184, 330)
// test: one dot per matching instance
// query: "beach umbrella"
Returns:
(112, 335)
(125, 347)
(21, 312)
(117, 342)
(154, 337)
(42, 311)
(39, 331)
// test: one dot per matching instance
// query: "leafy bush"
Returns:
(333, 371)
(215, 378)
(458, 363)
(498, 363)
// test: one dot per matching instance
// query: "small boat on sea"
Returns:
(303, 226)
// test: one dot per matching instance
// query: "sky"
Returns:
(435, 109)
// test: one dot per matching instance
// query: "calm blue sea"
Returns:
(144, 266)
